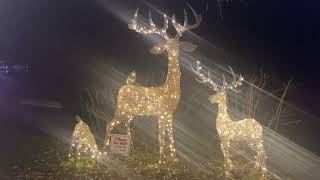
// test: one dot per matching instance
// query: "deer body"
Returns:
(248, 130)
(160, 101)
(225, 125)
(83, 141)
(153, 101)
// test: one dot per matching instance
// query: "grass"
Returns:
(255, 99)
(51, 162)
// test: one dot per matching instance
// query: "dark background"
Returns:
(59, 38)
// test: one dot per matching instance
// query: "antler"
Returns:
(203, 79)
(186, 27)
(234, 84)
(208, 80)
(153, 29)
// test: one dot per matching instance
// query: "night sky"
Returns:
(59, 37)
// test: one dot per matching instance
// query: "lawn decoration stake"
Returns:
(248, 130)
(160, 101)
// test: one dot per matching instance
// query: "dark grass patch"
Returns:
(51, 162)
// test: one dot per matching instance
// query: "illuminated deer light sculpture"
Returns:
(248, 130)
(83, 142)
(160, 101)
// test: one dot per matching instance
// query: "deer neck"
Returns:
(173, 75)
(222, 116)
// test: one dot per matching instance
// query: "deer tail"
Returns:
(131, 78)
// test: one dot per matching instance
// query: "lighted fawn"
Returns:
(248, 130)
(160, 101)
(83, 141)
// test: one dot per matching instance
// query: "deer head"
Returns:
(220, 95)
(171, 43)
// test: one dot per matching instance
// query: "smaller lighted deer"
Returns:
(248, 130)
(83, 142)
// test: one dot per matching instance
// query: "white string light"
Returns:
(248, 130)
(160, 101)
(83, 142)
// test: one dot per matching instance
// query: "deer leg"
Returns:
(127, 125)
(225, 144)
(161, 139)
(261, 157)
(110, 126)
(170, 134)
(107, 138)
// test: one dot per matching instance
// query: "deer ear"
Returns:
(187, 47)
(157, 49)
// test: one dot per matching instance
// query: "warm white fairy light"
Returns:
(160, 101)
(83, 142)
(180, 29)
(248, 130)
(141, 29)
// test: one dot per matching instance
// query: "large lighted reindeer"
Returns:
(248, 130)
(160, 101)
